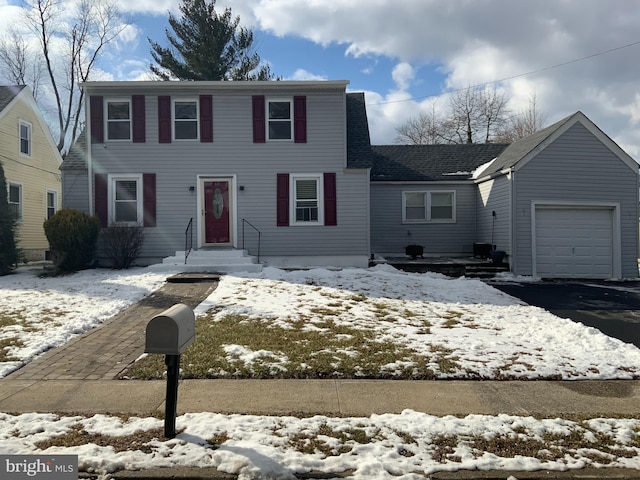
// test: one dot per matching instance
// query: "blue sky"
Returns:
(407, 54)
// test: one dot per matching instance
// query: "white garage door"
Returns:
(574, 242)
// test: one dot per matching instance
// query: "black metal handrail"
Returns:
(247, 222)
(188, 240)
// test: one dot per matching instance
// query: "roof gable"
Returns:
(449, 162)
(7, 94)
(520, 152)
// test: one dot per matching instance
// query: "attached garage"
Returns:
(575, 241)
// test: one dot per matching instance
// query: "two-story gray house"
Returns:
(268, 167)
(285, 170)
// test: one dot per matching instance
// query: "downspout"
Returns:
(87, 109)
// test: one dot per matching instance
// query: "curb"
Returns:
(195, 473)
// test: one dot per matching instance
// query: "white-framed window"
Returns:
(125, 199)
(434, 206)
(52, 203)
(185, 119)
(118, 119)
(24, 132)
(307, 203)
(15, 200)
(279, 119)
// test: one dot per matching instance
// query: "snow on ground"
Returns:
(489, 334)
(403, 446)
(48, 312)
(485, 327)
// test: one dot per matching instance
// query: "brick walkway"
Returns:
(105, 351)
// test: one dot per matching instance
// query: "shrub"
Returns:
(9, 252)
(72, 236)
(122, 244)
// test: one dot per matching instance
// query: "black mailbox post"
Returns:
(170, 333)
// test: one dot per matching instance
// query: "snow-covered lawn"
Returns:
(485, 330)
(403, 446)
(455, 328)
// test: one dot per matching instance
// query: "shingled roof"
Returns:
(358, 140)
(431, 162)
(76, 157)
(8, 93)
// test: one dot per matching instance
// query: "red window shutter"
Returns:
(164, 119)
(283, 200)
(259, 124)
(149, 199)
(300, 119)
(330, 200)
(206, 118)
(101, 203)
(96, 105)
(139, 127)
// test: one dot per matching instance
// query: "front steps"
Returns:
(210, 260)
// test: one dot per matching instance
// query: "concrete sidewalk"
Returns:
(328, 397)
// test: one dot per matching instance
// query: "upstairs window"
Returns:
(429, 206)
(15, 200)
(118, 120)
(280, 122)
(185, 120)
(25, 138)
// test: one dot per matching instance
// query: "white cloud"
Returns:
(403, 74)
(302, 74)
(485, 40)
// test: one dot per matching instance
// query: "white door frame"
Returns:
(233, 223)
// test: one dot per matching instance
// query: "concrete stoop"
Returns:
(211, 261)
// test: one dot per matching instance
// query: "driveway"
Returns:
(611, 307)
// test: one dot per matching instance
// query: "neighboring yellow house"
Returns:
(31, 165)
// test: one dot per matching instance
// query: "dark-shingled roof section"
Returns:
(413, 163)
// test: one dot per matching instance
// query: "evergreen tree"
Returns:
(9, 253)
(207, 46)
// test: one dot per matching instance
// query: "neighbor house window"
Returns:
(25, 138)
(306, 199)
(15, 200)
(52, 203)
(429, 206)
(119, 120)
(279, 120)
(185, 119)
(125, 200)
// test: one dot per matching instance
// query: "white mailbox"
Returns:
(172, 331)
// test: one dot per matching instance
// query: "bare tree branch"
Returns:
(474, 115)
(70, 50)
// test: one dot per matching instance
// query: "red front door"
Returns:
(216, 212)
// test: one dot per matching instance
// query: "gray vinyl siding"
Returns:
(255, 167)
(390, 235)
(75, 190)
(494, 196)
(577, 167)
